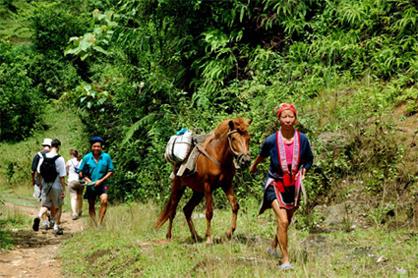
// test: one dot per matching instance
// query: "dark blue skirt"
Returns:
(270, 195)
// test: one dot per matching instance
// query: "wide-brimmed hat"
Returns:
(47, 142)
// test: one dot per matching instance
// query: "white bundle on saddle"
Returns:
(178, 147)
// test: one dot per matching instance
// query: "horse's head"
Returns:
(239, 141)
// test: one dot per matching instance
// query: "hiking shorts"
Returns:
(94, 192)
(75, 187)
(51, 197)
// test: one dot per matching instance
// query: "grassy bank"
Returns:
(128, 246)
(11, 220)
(16, 158)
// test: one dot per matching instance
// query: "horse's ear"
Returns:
(231, 125)
(249, 121)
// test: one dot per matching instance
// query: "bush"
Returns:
(54, 24)
(53, 75)
(20, 103)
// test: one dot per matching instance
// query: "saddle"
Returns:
(188, 167)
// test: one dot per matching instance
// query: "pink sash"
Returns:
(292, 178)
(289, 178)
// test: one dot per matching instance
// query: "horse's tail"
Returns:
(170, 207)
(164, 215)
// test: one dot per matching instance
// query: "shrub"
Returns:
(54, 24)
(20, 103)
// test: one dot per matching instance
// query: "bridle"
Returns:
(238, 156)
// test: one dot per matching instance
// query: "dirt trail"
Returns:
(36, 253)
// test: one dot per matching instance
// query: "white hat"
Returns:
(47, 142)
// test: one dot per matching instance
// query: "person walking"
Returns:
(46, 145)
(74, 186)
(290, 158)
(95, 169)
(51, 173)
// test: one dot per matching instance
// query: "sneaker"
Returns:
(45, 225)
(285, 266)
(51, 223)
(35, 225)
(74, 217)
(58, 231)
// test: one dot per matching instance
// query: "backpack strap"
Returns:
(56, 157)
(53, 158)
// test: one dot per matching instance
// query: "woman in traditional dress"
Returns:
(290, 157)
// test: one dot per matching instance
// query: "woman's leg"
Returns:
(79, 202)
(274, 242)
(283, 221)
(73, 197)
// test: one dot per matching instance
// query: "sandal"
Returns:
(272, 252)
(285, 266)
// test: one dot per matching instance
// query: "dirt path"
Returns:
(36, 253)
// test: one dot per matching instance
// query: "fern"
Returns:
(145, 123)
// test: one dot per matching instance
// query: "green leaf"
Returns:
(101, 50)
(146, 120)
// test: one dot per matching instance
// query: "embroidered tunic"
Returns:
(273, 187)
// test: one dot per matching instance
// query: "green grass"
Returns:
(128, 246)
(16, 158)
(14, 22)
(11, 220)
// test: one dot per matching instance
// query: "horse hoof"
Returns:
(209, 241)
(229, 233)
(197, 239)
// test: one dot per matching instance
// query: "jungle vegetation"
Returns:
(138, 70)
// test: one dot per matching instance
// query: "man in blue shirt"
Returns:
(95, 169)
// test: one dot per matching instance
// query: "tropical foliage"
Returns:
(140, 69)
(20, 103)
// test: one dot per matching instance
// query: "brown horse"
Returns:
(222, 150)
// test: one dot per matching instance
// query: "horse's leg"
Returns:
(176, 194)
(209, 212)
(188, 210)
(229, 192)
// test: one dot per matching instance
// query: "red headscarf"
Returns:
(287, 106)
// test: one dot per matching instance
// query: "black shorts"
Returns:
(288, 196)
(92, 192)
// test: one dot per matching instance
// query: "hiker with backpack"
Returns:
(46, 145)
(96, 168)
(74, 186)
(51, 173)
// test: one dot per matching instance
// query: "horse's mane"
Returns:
(222, 130)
